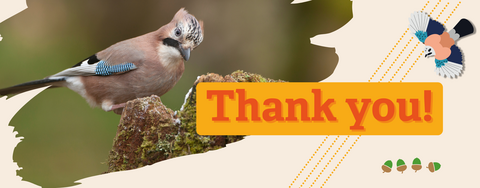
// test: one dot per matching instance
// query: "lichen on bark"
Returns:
(149, 132)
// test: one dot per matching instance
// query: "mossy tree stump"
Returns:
(149, 132)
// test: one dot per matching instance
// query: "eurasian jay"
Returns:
(440, 44)
(138, 67)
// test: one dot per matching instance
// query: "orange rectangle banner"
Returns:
(319, 108)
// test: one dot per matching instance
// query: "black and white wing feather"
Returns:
(92, 66)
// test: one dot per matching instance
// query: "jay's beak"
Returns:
(185, 52)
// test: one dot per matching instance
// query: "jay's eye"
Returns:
(178, 32)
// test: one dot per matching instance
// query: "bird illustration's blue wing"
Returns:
(452, 66)
(434, 27)
(456, 55)
(422, 26)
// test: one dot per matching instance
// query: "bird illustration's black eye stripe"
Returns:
(171, 42)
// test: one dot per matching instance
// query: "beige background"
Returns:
(275, 161)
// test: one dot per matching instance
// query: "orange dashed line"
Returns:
(425, 5)
(319, 161)
(442, 11)
(435, 6)
(411, 66)
(330, 160)
(341, 160)
(452, 12)
(396, 59)
(388, 55)
(308, 161)
(404, 61)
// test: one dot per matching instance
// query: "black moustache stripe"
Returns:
(171, 42)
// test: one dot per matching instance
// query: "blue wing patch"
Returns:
(421, 35)
(434, 27)
(104, 69)
(440, 63)
(455, 55)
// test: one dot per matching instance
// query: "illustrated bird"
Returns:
(138, 67)
(440, 44)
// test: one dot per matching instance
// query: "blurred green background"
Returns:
(66, 140)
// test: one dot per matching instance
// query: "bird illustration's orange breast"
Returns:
(435, 41)
(446, 41)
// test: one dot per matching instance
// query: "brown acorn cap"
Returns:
(431, 167)
(402, 168)
(416, 167)
(386, 169)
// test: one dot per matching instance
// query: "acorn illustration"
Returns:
(401, 165)
(387, 166)
(433, 166)
(417, 165)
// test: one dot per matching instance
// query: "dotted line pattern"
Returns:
(425, 5)
(452, 12)
(441, 12)
(341, 160)
(330, 160)
(308, 161)
(388, 55)
(435, 7)
(320, 160)
(404, 61)
(405, 47)
(411, 66)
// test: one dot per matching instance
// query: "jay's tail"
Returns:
(30, 85)
(463, 28)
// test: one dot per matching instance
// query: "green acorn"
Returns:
(433, 166)
(401, 165)
(417, 165)
(387, 166)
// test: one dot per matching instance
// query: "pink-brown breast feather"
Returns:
(446, 41)
(435, 41)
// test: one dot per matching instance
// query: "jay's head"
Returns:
(183, 33)
(429, 51)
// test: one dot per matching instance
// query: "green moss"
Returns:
(241, 76)
(164, 146)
